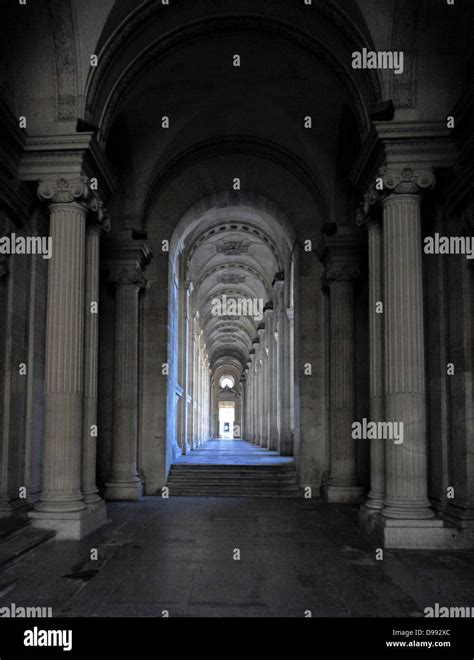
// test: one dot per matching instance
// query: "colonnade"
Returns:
(194, 417)
(266, 379)
(397, 505)
(398, 471)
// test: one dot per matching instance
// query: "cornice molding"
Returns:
(75, 155)
(415, 145)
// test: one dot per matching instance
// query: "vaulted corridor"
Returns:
(240, 381)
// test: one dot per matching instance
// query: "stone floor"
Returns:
(177, 555)
(233, 452)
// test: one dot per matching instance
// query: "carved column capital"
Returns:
(127, 276)
(99, 220)
(365, 213)
(340, 272)
(126, 258)
(65, 191)
(407, 180)
(340, 256)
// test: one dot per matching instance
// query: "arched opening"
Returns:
(231, 273)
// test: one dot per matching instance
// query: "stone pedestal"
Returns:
(126, 259)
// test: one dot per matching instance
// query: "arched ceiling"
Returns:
(178, 64)
(232, 247)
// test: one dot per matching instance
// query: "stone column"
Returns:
(273, 356)
(340, 257)
(261, 384)
(291, 368)
(95, 229)
(61, 506)
(126, 259)
(375, 498)
(460, 509)
(268, 312)
(255, 393)
(406, 462)
(285, 445)
(186, 425)
(262, 377)
(9, 501)
(250, 385)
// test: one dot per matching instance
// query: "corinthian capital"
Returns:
(406, 180)
(64, 191)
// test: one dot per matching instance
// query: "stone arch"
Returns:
(119, 66)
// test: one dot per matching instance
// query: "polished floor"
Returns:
(180, 555)
(233, 452)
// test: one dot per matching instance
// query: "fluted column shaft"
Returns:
(376, 364)
(251, 381)
(340, 254)
(126, 258)
(406, 486)
(61, 491)
(343, 448)
(273, 355)
(91, 345)
(124, 482)
(284, 363)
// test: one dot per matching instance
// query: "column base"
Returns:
(92, 499)
(343, 494)
(123, 490)
(403, 534)
(71, 526)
